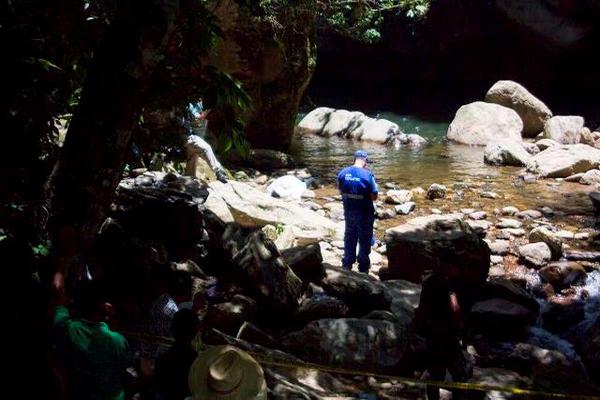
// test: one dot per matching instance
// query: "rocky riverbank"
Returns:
(280, 290)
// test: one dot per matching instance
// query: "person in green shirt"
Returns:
(95, 356)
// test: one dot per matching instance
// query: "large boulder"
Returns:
(506, 152)
(564, 129)
(554, 242)
(342, 123)
(405, 298)
(367, 345)
(532, 110)
(361, 292)
(306, 261)
(228, 317)
(535, 254)
(262, 268)
(563, 161)
(479, 123)
(398, 196)
(314, 121)
(376, 130)
(286, 187)
(416, 246)
(500, 318)
(252, 208)
(320, 307)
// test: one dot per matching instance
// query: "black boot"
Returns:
(221, 175)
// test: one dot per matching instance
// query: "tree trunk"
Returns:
(90, 166)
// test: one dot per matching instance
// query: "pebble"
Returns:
(489, 195)
(406, 208)
(531, 214)
(500, 247)
(517, 232)
(547, 211)
(582, 236)
(478, 215)
(436, 211)
(509, 223)
(510, 210)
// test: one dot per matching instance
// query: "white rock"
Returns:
(314, 121)
(563, 161)
(287, 187)
(564, 129)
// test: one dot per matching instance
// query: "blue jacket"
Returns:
(356, 185)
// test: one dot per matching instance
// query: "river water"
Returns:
(438, 162)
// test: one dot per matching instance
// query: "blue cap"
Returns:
(362, 154)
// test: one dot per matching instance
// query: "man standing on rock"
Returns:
(359, 189)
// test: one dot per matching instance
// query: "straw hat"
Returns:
(226, 373)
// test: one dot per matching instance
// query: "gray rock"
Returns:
(543, 144)
(531, 148)
(372, 345)
(479, 123)
(477, 215)
(342, 123)
(533, 112)
(406, 208)
(563, 161)
(496, 260)
(489, 195)
(385, 213)
(398, 196)
(306, 261)
(319, 307)
(564, 129)
(509, 223)
(314, 121)
(479, 227)
(418, 243)
(574, 178)
(506, 152)
(530, 214)
(500, 247)
(510, 210)
(535, 254)
(436, 191)
(578, 255)
(543, 234)
(516, 232)
(591, 177)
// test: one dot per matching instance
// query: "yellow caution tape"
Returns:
(262, 359)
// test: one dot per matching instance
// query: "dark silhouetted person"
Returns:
(439, 321)
(173, 367)
(96, 357)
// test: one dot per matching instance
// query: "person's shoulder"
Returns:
(344, 171)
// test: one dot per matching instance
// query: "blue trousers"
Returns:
(359, 229)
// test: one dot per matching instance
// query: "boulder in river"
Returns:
(532, 110)
(314, 121)
(416, 246)
(535, 254)
(565, 160)
(480, 123)
(564, 129)
(342, 123)
(506, 152)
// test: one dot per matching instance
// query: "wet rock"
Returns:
(509, 223)
(563, 274)
(530, 214)
(419, 242)
(314, 121)
(500, 318)
(533, 112)
(506, 152)
(398, 196)
(591, 177)
(436, 191)
(359, 291)
(500, 247)
(479, 123)
(564, 129)
(319, 307)
(510, 210)
(305, 261)
(478, 215)
(368, 345)
(559, 317)
(406, 208)
(563, 161)
(535, 254)
(543, 144)
(543, 234)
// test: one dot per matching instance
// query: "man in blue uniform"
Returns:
(359, 190)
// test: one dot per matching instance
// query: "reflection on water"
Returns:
(439, 162)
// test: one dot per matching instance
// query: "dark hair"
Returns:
(184, 325)
(89, 298)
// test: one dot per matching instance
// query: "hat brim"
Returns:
(252, 385)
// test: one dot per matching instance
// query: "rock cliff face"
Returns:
(274, 62)
(460, 49)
